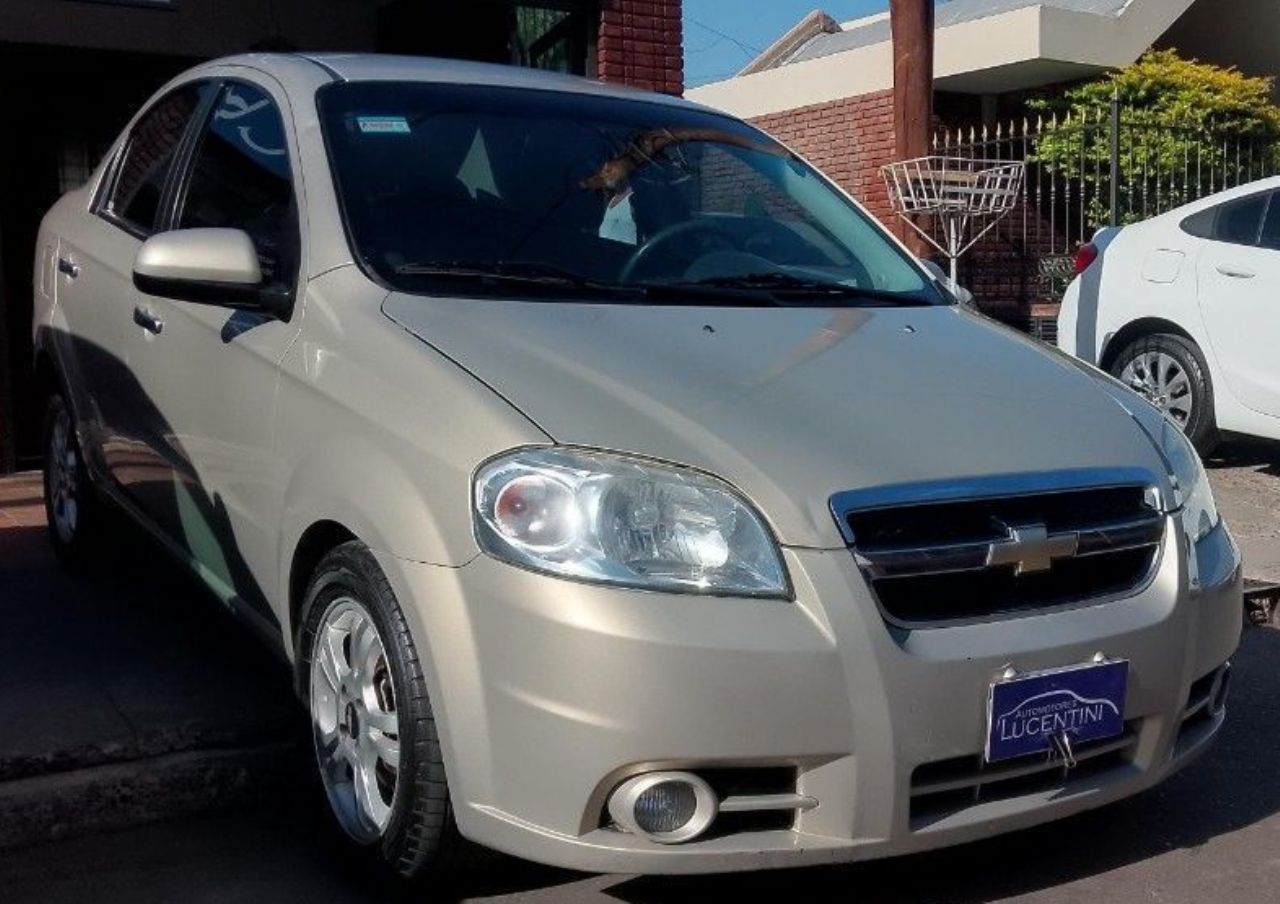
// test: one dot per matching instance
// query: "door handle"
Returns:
(148, 321)
(68, 267)
(1235, 272)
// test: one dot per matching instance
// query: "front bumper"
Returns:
(549, 693)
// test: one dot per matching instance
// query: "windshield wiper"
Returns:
(533, 273)
(527, 272)
(788, 285)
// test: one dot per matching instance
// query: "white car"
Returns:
(1185, 308)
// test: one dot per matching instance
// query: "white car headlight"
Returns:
(611, 519)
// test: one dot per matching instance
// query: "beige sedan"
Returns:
(623, 496)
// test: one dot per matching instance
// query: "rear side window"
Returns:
(1271, 225)
(240, 179)
(1236, 222)
(140, 177)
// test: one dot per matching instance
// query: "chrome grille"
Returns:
(948, 552)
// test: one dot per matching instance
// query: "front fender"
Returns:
(380, 433)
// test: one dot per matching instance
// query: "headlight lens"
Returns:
(1191, 483)
(1194, 496)
(617, 520)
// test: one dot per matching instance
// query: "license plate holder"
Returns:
(1027, 712)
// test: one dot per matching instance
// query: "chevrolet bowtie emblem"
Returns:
(1031, 549)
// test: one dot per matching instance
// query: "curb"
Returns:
(60, 805)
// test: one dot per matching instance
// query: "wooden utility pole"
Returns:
(912, 24)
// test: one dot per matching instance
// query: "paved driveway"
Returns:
(1246, 481)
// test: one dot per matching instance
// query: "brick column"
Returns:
(849, 140)
(641, 44)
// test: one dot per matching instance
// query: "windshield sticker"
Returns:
(383, 125)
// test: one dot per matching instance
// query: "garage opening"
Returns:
(66, 98)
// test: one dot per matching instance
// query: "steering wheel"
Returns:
(665, 236)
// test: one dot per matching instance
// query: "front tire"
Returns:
(70, 501)
(1170, 372)
(376, 741)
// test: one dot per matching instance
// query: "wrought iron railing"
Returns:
(1109, 166)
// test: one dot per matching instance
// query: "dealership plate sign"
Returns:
(1055, 710)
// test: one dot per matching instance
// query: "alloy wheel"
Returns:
(64, 478)
(1162, 380)
(354, 719)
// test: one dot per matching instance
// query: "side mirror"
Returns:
(962, 296)
(207, 266)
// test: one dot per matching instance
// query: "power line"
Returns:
(693, 51)
(741, 45)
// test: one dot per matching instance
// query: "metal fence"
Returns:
(1109, 166)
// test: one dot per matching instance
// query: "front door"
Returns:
(1240, 303)
(94, 286)
(212, 370)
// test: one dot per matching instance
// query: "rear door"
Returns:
(211, 371)
(1239, 269)
(95, 285)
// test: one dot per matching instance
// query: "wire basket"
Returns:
(958, 185)
(952, 202)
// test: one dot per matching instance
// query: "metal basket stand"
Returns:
(965, 196)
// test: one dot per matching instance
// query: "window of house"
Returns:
(148, 156)
(554, 39)
(240, 179)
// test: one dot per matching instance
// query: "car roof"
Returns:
(364, 67)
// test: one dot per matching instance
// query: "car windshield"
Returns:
(482, 190)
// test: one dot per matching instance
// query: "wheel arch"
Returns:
(47, 379)
(317, 541)
(349, 488)
(1136, 329)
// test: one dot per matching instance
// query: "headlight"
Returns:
(1191, 483)
(606, 518)
(1193, 495)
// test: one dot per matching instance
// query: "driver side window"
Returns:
(138, 183)
(240, 178)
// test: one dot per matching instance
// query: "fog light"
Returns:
(666, 807)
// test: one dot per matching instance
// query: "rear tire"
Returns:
(1170, 372)
(71, 503)
(409, 826)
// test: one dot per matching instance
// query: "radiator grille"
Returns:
(937, 554)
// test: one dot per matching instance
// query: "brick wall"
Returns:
(641, 44)
(848, 139)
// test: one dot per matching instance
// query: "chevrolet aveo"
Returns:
(624, 497)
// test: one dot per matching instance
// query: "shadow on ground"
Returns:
(1247, 452)
(127, 657)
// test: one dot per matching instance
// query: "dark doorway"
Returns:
(63, 108)
(552, 34)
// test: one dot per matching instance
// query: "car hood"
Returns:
(790, 405)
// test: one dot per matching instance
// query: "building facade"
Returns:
(825, 88)
(72, 72)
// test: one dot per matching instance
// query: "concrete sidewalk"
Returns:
(129, 693)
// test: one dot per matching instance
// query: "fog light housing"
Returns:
(1221, 688)
(665, 807)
